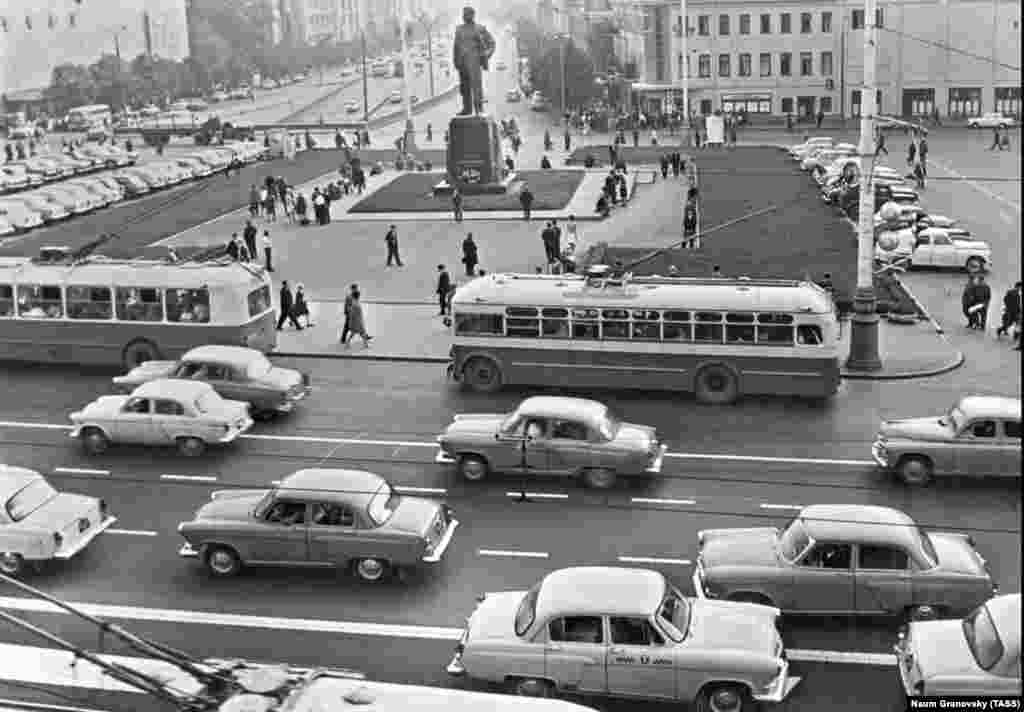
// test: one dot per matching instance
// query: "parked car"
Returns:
(800, 150)
(990, 120)
(187, 414)
(111, 156)
(195, 167)
(73, 201)
(648, 641)
(150, 176)
(91, 200)
(111, 184)
(548, 435)
(951, 247)
(40, 524)
(844, 558)
(17, 177)
(19, 215)
(396, 97)
(345, 518)
(103, 195)
(133, 185)
(6, 228)
(979, 436)
(49, 210)
(48, 170)
(235, 372)
(978, 656)
(21, 133)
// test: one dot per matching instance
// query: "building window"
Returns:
(879, 18)
(766, 64)
(805, 23)
(806, 64)
(28, 22)
(964, 101)
(704, 25)
(857, 20)
(1008, 101)
(826, 64)
(704, 66)
(723, 24)
(826, 104)
(785, 23)
(787, 105)
(826, 22)
(766, 24)
(785, 64)
(724, 65)
(745, 65)
(72, 19)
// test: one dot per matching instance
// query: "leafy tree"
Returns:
(547, 74)
(71, 84)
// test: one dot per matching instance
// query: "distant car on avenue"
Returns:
(845, 559)
(320, 517)
(625, 633)
(235, 372)
(550, 435)
(990, 120)
(978, 656)
(979, 437)
(39, 524)
(187, 414)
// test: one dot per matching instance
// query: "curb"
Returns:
(354, 357)
(957, 362)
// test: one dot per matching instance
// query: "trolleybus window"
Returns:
(614, 324)
(556, 322)
(646, 325)
(259, 300)
(584, 323)
(469, 324)
(708, 327)
(188, 305)
(38, 301)
(139, 304)
(809, 335)
(775, 329)
(739, 328)
(677, 326)
(523, 322)
(90, 303)
(6, 300)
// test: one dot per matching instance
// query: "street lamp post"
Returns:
(366, 91)
(864, 331)
(117, 54)
(428, 25)
(403, 25)
(684, 70)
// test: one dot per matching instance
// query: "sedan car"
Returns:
(844, 559)
(49, 210)
(72, 201)
(197, 168)
(101, 193)
(990, 120)
(91, 200)
(5, 227)
(187, 414)
(548, 435)
(976, 657)
(150, 176)
(320, 517)
(133, 184)
(951, 247)
(979, 436)
(235, 372)
(19, 214)
(396, 97)
(16, 177)
(38, 523)
(625, 633)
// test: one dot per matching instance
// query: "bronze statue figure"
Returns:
(472, 51)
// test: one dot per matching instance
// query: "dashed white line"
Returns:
(656, 500)
(80, 471)
(132, 532)
(420, 490)
(781, 506)
(653, 560)
(189, 478)
(538, 495)
(840, 656)
(513, 554)
(760, 458)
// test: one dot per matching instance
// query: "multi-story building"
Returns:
(342, 20)
(960, 57)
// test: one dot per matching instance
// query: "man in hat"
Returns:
(472, 51)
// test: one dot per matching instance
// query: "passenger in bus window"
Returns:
(6, 301)
(809, 335)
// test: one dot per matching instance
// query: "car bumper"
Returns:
(188, 552)
(72, 548)
(233, 434)
(288, 405)
(879, 454)
(655, 466)
(443, 458)
(780, 687)
(442, 545)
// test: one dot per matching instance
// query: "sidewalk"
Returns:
(914, 350)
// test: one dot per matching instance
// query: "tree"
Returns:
(579, 74)
(601, 44)
(71, 84)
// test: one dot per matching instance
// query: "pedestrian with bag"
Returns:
(356, 320)
(301, 307)
(470, 257)
(391, 240)
(254, 201)
(287, 307)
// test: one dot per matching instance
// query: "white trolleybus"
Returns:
(60, 307)
(718, 338)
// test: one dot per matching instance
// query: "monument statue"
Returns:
(471, 52)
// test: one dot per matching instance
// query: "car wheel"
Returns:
(532, 687)
(716, 385)
(473, 468)
(914, 470)
(975, 264)
(724, 698)
(191, 447)
(138, 352)
(371, 570)
(94, 441)
(222, 561)
(11, 564)
(599, 478)
(264, 416)
(922, 613)
(482, 375)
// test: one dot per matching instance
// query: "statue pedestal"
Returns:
(474, 162)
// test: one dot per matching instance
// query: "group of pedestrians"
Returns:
(917, 157)
(976, 298)
(245, 249)
(672, 161)
(292, 307)
(614, 191)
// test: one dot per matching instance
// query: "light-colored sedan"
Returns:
(990, 120)
(945, 247)
(187, 414)
(549, 435)
(20, 215)
(104, 195)
(5, 226)
(197, 168)
(16, 177)
(72, 201)
(800, 150)
(626, 633)
(92, 200)
(49, 210)
(39, 524)
(976, 657)
(133, 184)
(150, 176)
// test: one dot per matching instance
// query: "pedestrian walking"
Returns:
(347, 311)
(430, 133)
(444, 287)
(270, 207)
(664, 166)
(819, 118)
(249, 235)
(318, 206)
(654, 137)
(919, 175)
(911, 152)
(1012, 308)
(233, 247)
(567, 140)
(470, 257)
(356, 319)
(880, 143)
(301, 209)
(301, 307)
(526, 200)
(922, 154)
(547, 238)
(391, 240)
(677, 162)
(254, 201)
(8, 153)
(287, 307)
(457, 204)
(572, 230)
(996, 142)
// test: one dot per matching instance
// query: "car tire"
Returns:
(725, 698)
(94, 441)
(716, 385)
(191, 447)
(532, 687)
(974, 264)
(914, 470)
(138, 352)
(11, 564)
(222, 561)
(473, 468)
(371, 570)
(264, 416)
(599, 478)
(482, 375)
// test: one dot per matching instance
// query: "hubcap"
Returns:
(601, 479)
(97, 442)
(192, 447)
(371, 569)
(716, 382)
(532, 688)
(914, 471)
(725, 701)
(10, 563)
(484, 375)
(222, 561)
(473, 469)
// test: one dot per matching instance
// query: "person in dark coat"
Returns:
(545, 164)
(911, 153)
(922, 155)
(526, 200)
(287, 307)
(232, 247)
(356, 321)
(443, 289)
(547, 237)
(254, 201)
(974, 302)
(301, 307)
(347, 311)
(1011, 309)
(457, 204)
(301, 208)
(470, 258)
(249, 234)
(664, 166)
(391, 240)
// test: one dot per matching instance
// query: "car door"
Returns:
(332, 534)
(823, 579)
(978, 452)
(882, 578)
(170, 420)
(283, 535)
(570, 448)
(235, 384)
(922, 254)
(944, 251)
(574, 656)
(134, 423)
(1010, 449)
(639, 664)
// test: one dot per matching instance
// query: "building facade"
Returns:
(960, 57)
(37, 36)
(320, 21)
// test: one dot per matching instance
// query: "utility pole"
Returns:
(684, 69)
(366, 92)
(864, 331)
(403, 26)
(429, 25)
(842, 69)
(564, 39)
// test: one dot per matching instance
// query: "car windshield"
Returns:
(29, 498)
(383, 504)
(794, 540)
(983, 638)
(926, 546)
(258, 368)
(264, 504)
(954, 418)
(608, 426)
(527, 611)
(674, 615)
(510, 423)
(207, 402)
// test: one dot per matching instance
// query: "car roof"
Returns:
(235, 355)
(172, 388)
(600, 590)
(865, 524)
(1005, 613)
(990, 407)
(14, 478)
(352, 487)
(562, 407)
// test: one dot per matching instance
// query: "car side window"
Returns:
(942, 240)
(568, 430)
(287, 513)
(886, 558)
(188, 369)
(634, 631)
(217, 372)
(168, 407)
(333, 515)
(825, 555)
(536, 428)
(576, 629)
(1011, 428)
(137, 405)
(982, 429)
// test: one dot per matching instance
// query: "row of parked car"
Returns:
(916, 238)
(49, 188)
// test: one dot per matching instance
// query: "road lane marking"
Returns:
(420, 490)
(538, 495)
(513, 554)
(336, 441)
(761, 458)
(79, 471)
(189, 478)
(132, 532)
(781, 506)
(978, 187)
(30, 426)
(655, 500)
(840, 656)
(653, 560)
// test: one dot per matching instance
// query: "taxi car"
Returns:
(978, 656)
(978, 436)
(550, 435)
(628, 633)
(235, 372)
(187, 414)
(844, 559)
(38, 523)
(946, 247)
(990, 120)
(319, 517)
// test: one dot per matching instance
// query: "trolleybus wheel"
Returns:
(138, 352)
(482, 375)
(716, 385)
